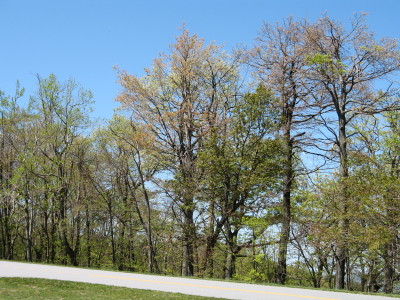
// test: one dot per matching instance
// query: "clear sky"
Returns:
(84, 39)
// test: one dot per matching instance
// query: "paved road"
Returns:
(199, 287)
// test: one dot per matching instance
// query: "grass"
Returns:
(33, 288)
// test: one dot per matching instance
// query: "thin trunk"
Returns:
(3, 236)
(28, 232)
(78, 240)
(8, 245)
(88, 238)
(28, 227)
(46, 232)
(152, 264)
(111, 222)
(363, 276)
(208, 268)
(121, 252)
(53, 238)
(131, 254)
(151, 253)
(342, 251)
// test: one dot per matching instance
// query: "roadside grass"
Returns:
(34, 288)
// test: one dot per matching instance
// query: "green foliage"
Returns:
(245, 150)
(194, 174)
(63, 104)
(9, 104)
(325, 63)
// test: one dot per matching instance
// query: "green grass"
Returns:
(33, 288)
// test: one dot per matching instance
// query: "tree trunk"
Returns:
(64, 230)
(211, 241)
(88, 239)
(340, 267)
(111, 222)
(342, 252)
(151, 252)
(287, 189)
(388, 270)
(28, 232)
(232, 250)
(53, 237)
(208, 262)
(229, 265)
(188, 236)
(286, 214)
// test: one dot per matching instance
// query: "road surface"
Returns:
(208, 288)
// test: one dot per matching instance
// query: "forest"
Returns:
(275, 163)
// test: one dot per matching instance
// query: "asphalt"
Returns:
(208, 288)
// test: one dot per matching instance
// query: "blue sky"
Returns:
(84, 39)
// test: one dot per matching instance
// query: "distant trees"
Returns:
(60, 115)
(12, 120)
(290, 175)
(42, 174)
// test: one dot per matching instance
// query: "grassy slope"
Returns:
(28, 288)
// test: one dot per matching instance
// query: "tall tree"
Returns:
(12, 119)
(343, 65)
(241, 162)
(278, 61)
(61, 110)
(179, 99)
(376, 162)
(129, 165)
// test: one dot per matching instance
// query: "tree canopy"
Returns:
(277, 163)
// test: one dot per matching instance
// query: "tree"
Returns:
(61, 116)
(12, 119)
(241, 162)
(343, 65)
(127, 165)
(377, 163)
(279, 62)
(179, 100)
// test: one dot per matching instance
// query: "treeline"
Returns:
(277, 163)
